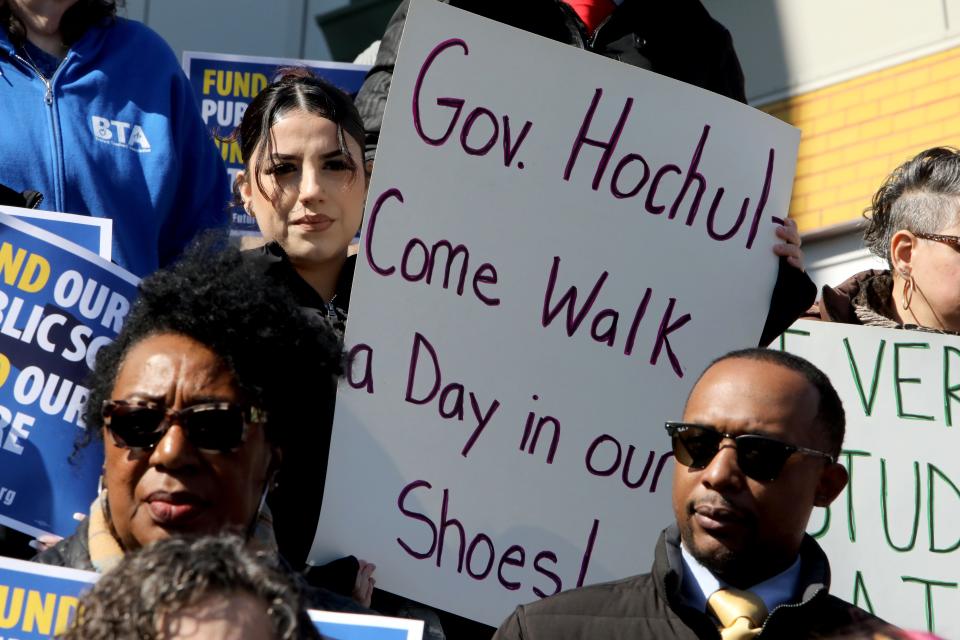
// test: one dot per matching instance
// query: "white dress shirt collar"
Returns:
(698, 584)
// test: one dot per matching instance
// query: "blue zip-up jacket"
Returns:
(115, 133)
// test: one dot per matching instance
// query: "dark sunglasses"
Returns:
(217, 427)
(758, 457)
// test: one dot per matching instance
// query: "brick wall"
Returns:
(855, 132)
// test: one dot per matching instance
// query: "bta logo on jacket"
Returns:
(121, 134)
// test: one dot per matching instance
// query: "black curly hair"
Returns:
(75, 22)
(921, 195)
(285, 359)
(140, 596)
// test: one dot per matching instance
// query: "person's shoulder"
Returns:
(618, 598)
(870, 277)
(318, 597)
(834, 616)
(54, 556)
(326, 600)
(150, 45)
(627, 608)
(836, 304)
(123, 28)
(71, 552)
(268, 258)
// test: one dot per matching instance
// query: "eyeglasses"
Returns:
(758, 457)
(217, 427)
(953, 241)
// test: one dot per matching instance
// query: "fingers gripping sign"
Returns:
(790, 247)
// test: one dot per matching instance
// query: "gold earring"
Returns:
(908, 288)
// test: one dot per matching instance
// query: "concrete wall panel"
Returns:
(786, 44)
(248, 27)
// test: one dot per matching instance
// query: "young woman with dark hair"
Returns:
(305, 183)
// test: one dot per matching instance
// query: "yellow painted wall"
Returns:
(855, 132)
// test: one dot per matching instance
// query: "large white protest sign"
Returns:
(555, 245)
(893, 536)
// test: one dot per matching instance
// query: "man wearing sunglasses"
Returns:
(755, 452)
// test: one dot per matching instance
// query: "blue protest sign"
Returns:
(37, 600)
(93, 234)
(59, 304)
(350, 626)
(225, 85)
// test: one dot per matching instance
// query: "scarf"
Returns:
(106, 551)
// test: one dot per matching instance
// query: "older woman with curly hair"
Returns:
(914, 224)
(191, 588)
(217, 388)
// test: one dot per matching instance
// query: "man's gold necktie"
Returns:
(741, 613)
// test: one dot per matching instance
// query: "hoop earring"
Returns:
(907, 296)
(270, 485)
(104, 499)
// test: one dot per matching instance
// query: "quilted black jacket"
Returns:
(649, 606)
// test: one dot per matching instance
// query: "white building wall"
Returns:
(830, 261)
(793, 46)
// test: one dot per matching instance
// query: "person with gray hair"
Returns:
(209, 587)
(913, 224)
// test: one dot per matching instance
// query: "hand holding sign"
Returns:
(550, 288)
